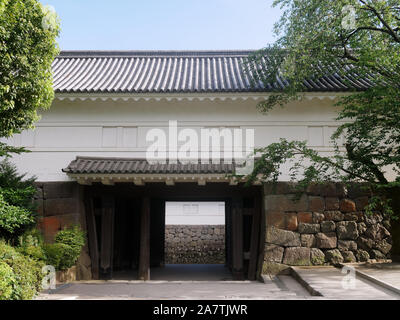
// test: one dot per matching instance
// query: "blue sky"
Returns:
(165, 25)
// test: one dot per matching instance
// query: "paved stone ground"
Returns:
(182, 272)
(326, 280)
(333, 284)
(387, 272)
(158, 290)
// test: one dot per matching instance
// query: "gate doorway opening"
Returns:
(195, 247)
(127, 230)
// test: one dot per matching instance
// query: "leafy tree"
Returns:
(17, 208)
(28, 47)
(349, 39)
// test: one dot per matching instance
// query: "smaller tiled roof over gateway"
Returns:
(136, 72)
(94, 165)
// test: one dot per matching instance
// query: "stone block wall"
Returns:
(326, 225)
(60, 205)
(195, 244)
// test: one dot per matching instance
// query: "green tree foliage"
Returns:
(13, 218)
(26, 276)
(27, 49)
(65, 250)
(17, 189)
(356, 38)
(17, 209)
(7, 281)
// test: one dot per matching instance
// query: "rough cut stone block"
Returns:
(39, 192)
(316, 203)
(358, 190)
(362, 227)
(308, 240)
(276, 219)
(328, 226)
(273, 268)
(305, 217)
(346, 245)
(53, 190)
(333, 215)
(317, 257)
(365, 243)
(273, 253)
(286, 203)
(54, 207)
(326, 240)
(349, 256)
(377, 232)
(84, 259)
(39, 207)
(297, 256)
(383, 246)
(387, 224)
(282, 237)
(376, 254)
(332, 203)
(49, 227)
(325, 189)
(68, 220)
(362, 255)
(334, 256)
(309, 228)
(353, 216)
(371, 219)
(318, 217)
(361, 203)
(279, 187)
(347, 230)
(291, 221)
(347, 205)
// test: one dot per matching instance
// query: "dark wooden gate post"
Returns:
(237, 239)
(144, 258)
(254, 239)
(107, 236)
(92, 237)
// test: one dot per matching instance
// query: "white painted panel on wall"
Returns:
(28, 138)
(68, 137)
(129, 137)
(316, 136)
(142, 132)
(329, 131)
(270, 134)
(109, 137)
(194, 213)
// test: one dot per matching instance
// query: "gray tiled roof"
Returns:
(169, 72)
(94, 165)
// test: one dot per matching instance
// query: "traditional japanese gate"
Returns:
(108, 224)
(125, 211)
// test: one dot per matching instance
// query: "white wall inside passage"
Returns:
(194, 213)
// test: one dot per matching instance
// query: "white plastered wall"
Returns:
(118, 128)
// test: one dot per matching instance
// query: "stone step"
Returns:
(331, 283)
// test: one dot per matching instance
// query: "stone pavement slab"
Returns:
(328, 282)
(331, 283)
(387, 272)
(185, 290)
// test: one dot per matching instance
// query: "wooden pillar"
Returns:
(254, 239)
(92, 237)
(237, 239)
(228, 235)
(107, 236)
(144, 259)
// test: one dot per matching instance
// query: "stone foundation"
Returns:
(326, 225)
(195, 244)
(60, 205)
